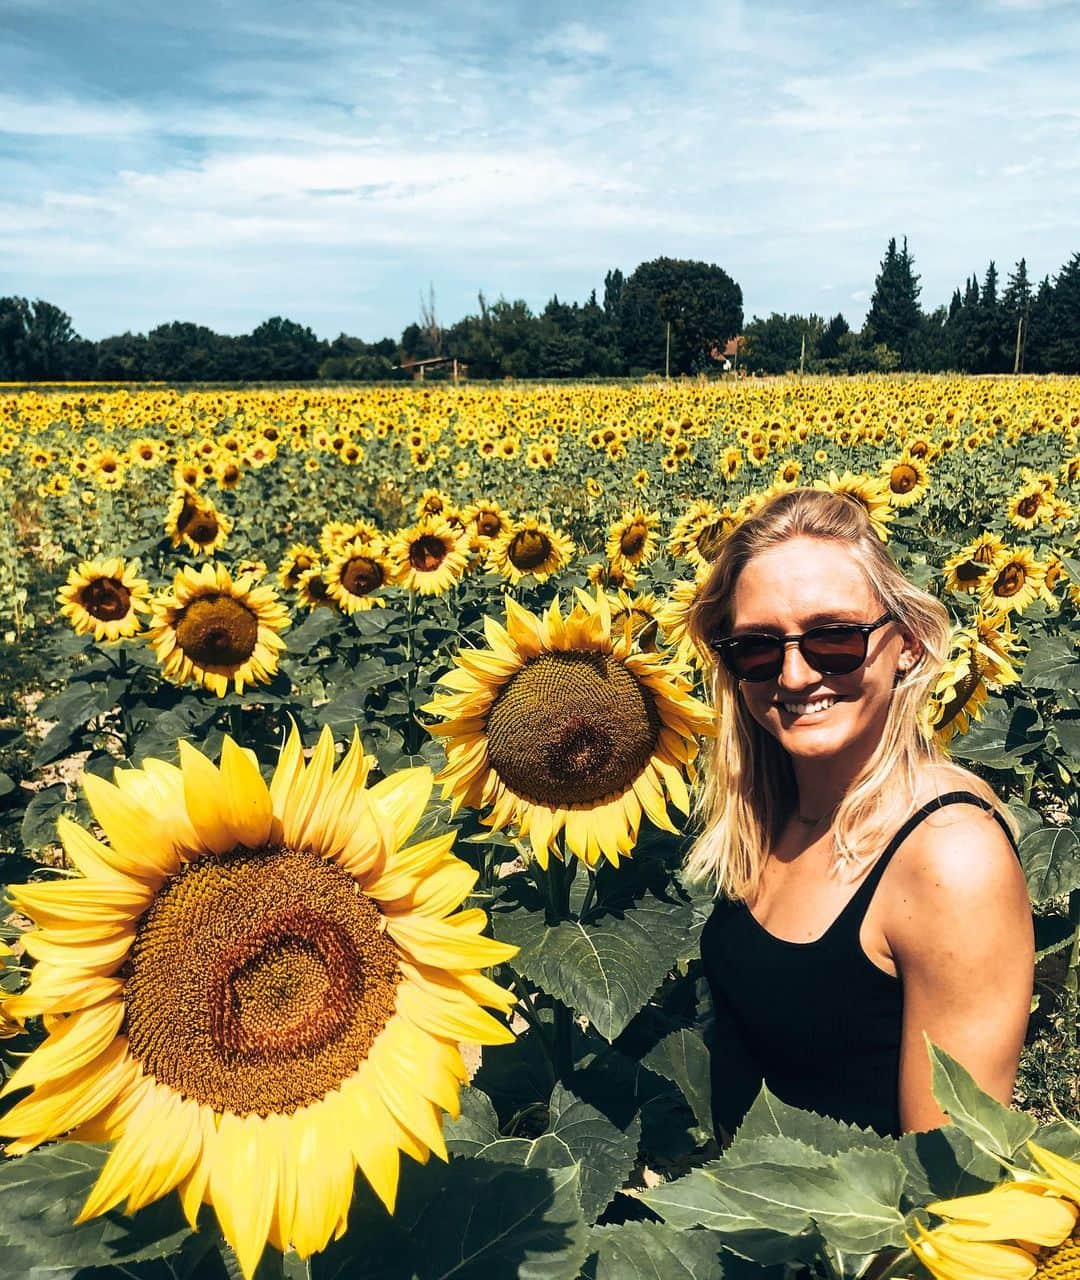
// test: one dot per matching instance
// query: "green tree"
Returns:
(893, 318)
(1063, 348)
(700, 301)
(775, 345)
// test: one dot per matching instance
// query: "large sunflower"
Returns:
(530, 546)
(697, 534)
(907, 478)
(253, 990)
(559, 725)
(1014, 581)
(104, 597)
(429, 557)
(1025, 1229)
(965, 570)
(979, 655)
(213, 630)
(354, 574)
(632, 540)
(196, 522)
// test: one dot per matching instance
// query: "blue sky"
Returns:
(328, 161)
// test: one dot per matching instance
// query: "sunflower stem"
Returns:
(590, 894)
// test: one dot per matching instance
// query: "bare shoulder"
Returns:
(958, 869)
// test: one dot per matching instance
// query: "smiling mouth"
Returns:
(816, 707)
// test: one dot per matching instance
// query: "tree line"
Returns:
(669, 316)
(988, 327)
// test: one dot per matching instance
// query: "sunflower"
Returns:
(674, 619)
(213, 630)
(639, 612)
(297, 560)
(354, 574)
(1025, 1229)
(907, 478)
(1013, 582)
(312, 590)
(432, 502)
(872, 495)
(632, 540)
(485, 521)
(108, 469)
(1028, 506)
(697, 534)
(335, 534)
(196, 522)
(104, 597)
(979, 655)
(429, 557)
(602, 574)
(560, 726)
(253, 989)
(965, 570)
(530, 546)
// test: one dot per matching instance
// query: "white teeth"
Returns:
(808, 708)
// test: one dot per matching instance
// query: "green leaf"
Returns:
(1002, 738)
(7, 784)
(656, 1251)
(605, 969)
(39, 820)
(1051, 860)
(605, 1152)
(992, 1127)
(1067, 733)
(471, 1219)
(1052, 662)
(942, 1163)
(768, 1115)
(682, 1058)
(852, 1200)
(41, 1195)
(475, 1128)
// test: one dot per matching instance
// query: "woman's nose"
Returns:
(796, 671)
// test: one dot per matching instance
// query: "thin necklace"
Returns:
(813, 822)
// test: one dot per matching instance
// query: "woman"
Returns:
(869, 890)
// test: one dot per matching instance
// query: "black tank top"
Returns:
(817, 1021)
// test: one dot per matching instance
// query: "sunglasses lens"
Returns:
(836, 651)
(756, 658)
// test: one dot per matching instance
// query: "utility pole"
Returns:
(802, 355)
(1016, 357)
(667, 353)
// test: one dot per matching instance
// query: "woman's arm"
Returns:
(959, 925)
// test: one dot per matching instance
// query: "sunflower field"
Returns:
(349, 747)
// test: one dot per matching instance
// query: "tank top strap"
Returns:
(866, 889)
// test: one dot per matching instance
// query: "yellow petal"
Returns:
(403, 797)
(204, 796)
(77, 1041)
(243, 1187)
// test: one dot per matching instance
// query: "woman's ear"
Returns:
(909, 655)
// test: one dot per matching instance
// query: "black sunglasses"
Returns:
(836, 649)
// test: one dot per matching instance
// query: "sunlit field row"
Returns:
(351, 730)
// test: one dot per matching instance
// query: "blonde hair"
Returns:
(750, 790)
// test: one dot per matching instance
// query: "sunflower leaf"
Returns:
(606, 968)
(992, 1127)
(41, 1195)
(655, 1250)
(795, 1196)
(606, 1153)
(1052, 662)
(682, 1057)
(769, 1116)
(1051, 860)
(471, 1219)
